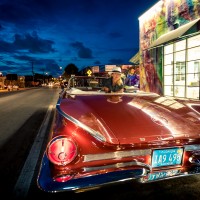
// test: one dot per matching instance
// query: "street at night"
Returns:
(22, 119)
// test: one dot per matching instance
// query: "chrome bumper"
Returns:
(142, 174)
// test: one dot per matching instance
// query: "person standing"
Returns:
(132, 78)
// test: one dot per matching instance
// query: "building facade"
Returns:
(169, 55)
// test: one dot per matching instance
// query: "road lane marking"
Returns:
(23, 183)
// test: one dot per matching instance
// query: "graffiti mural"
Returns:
(163, 17)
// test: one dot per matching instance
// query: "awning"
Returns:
(174, 34)
(136, 58)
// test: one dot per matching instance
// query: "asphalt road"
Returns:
(22, 118)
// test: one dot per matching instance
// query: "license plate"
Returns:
(163, 174)
(167, 157)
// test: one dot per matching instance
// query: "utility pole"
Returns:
(43, 75)
(32, 71)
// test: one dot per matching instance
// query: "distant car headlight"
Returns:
(61, 151)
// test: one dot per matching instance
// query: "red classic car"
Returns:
(100, 138)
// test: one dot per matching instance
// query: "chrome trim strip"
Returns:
(94, 133)
(114, 155)
(117, 165)
(192, 147)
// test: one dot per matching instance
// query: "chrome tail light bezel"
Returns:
(59, 156)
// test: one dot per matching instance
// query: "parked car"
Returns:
(9, 87)
(3, 87)
(15, 87)
(12, 87)
(100, 138)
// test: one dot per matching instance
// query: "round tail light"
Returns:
(61, 151)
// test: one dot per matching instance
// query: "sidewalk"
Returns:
(6, 90)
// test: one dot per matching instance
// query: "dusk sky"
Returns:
(47, 35)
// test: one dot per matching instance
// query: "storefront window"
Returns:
(179, 56)
(168, 49)
(193, 67)
(193, 79)
(181, 45)
(168, 60)
(181, 73)
(179, 91)
(193, 73)
(194, 53)
(194, 41)
(168, 90)
(168, 70)
(168, 80)
(192, 92)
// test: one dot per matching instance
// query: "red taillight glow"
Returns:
(61, 151)
(63, 178)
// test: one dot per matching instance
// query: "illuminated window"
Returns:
(181, 45)
(194, 41)
(182, 73)
(168, 49)
(194, 53)
(179, 72)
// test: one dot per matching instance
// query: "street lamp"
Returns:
(46, 76)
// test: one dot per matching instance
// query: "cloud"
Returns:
(115, 35)
(83, 52)
(24, 58)
(97, 62)
(27, 43)
(33, 43)
(1, 27)
(6, 47)
(51, 33)
(116, 61)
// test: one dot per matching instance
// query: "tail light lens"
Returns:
(61, 151)
(63, 178)
(195, 158)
